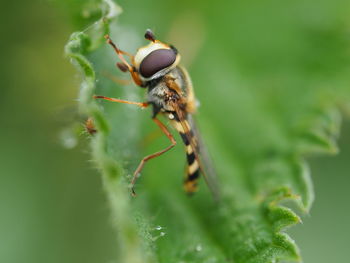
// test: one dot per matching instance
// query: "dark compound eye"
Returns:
(157, 60)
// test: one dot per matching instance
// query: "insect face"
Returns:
(155, 60)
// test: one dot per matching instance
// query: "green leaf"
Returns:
(258, 132)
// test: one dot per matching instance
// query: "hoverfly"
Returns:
(170, 93)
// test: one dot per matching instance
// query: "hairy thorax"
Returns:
(167, 91)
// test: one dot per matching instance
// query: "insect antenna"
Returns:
(149, 35)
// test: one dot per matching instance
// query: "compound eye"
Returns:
(156, 61)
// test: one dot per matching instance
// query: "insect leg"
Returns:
(130, 68)
(117, 80)
(151, 156)
(140, 104)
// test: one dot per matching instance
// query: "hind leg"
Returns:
(154, 155)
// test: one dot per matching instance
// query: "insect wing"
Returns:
(210, 174)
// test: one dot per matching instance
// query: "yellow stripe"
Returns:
(177, 125)
(190, 186)
(189, 149)
(194, 167)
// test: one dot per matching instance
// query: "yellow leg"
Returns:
(151, 156)
(140, 104)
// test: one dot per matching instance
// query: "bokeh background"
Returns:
(52, 204)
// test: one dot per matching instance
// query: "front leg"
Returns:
(140, 104)
(125, 66)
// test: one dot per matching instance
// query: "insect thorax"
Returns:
(160, 94)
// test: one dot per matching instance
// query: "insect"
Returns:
(156, 68)
(90, 126)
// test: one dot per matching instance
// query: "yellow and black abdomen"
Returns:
(192, 169)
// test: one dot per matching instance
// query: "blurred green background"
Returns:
(52, 205)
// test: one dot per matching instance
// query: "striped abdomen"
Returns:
(192, 170)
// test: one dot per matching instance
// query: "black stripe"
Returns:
(153, 83)
(190, 158)
(185, 138)
(174, 49)
(176, 117)
(194, 176)
(156, 109)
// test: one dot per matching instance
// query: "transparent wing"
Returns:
(210, 173)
